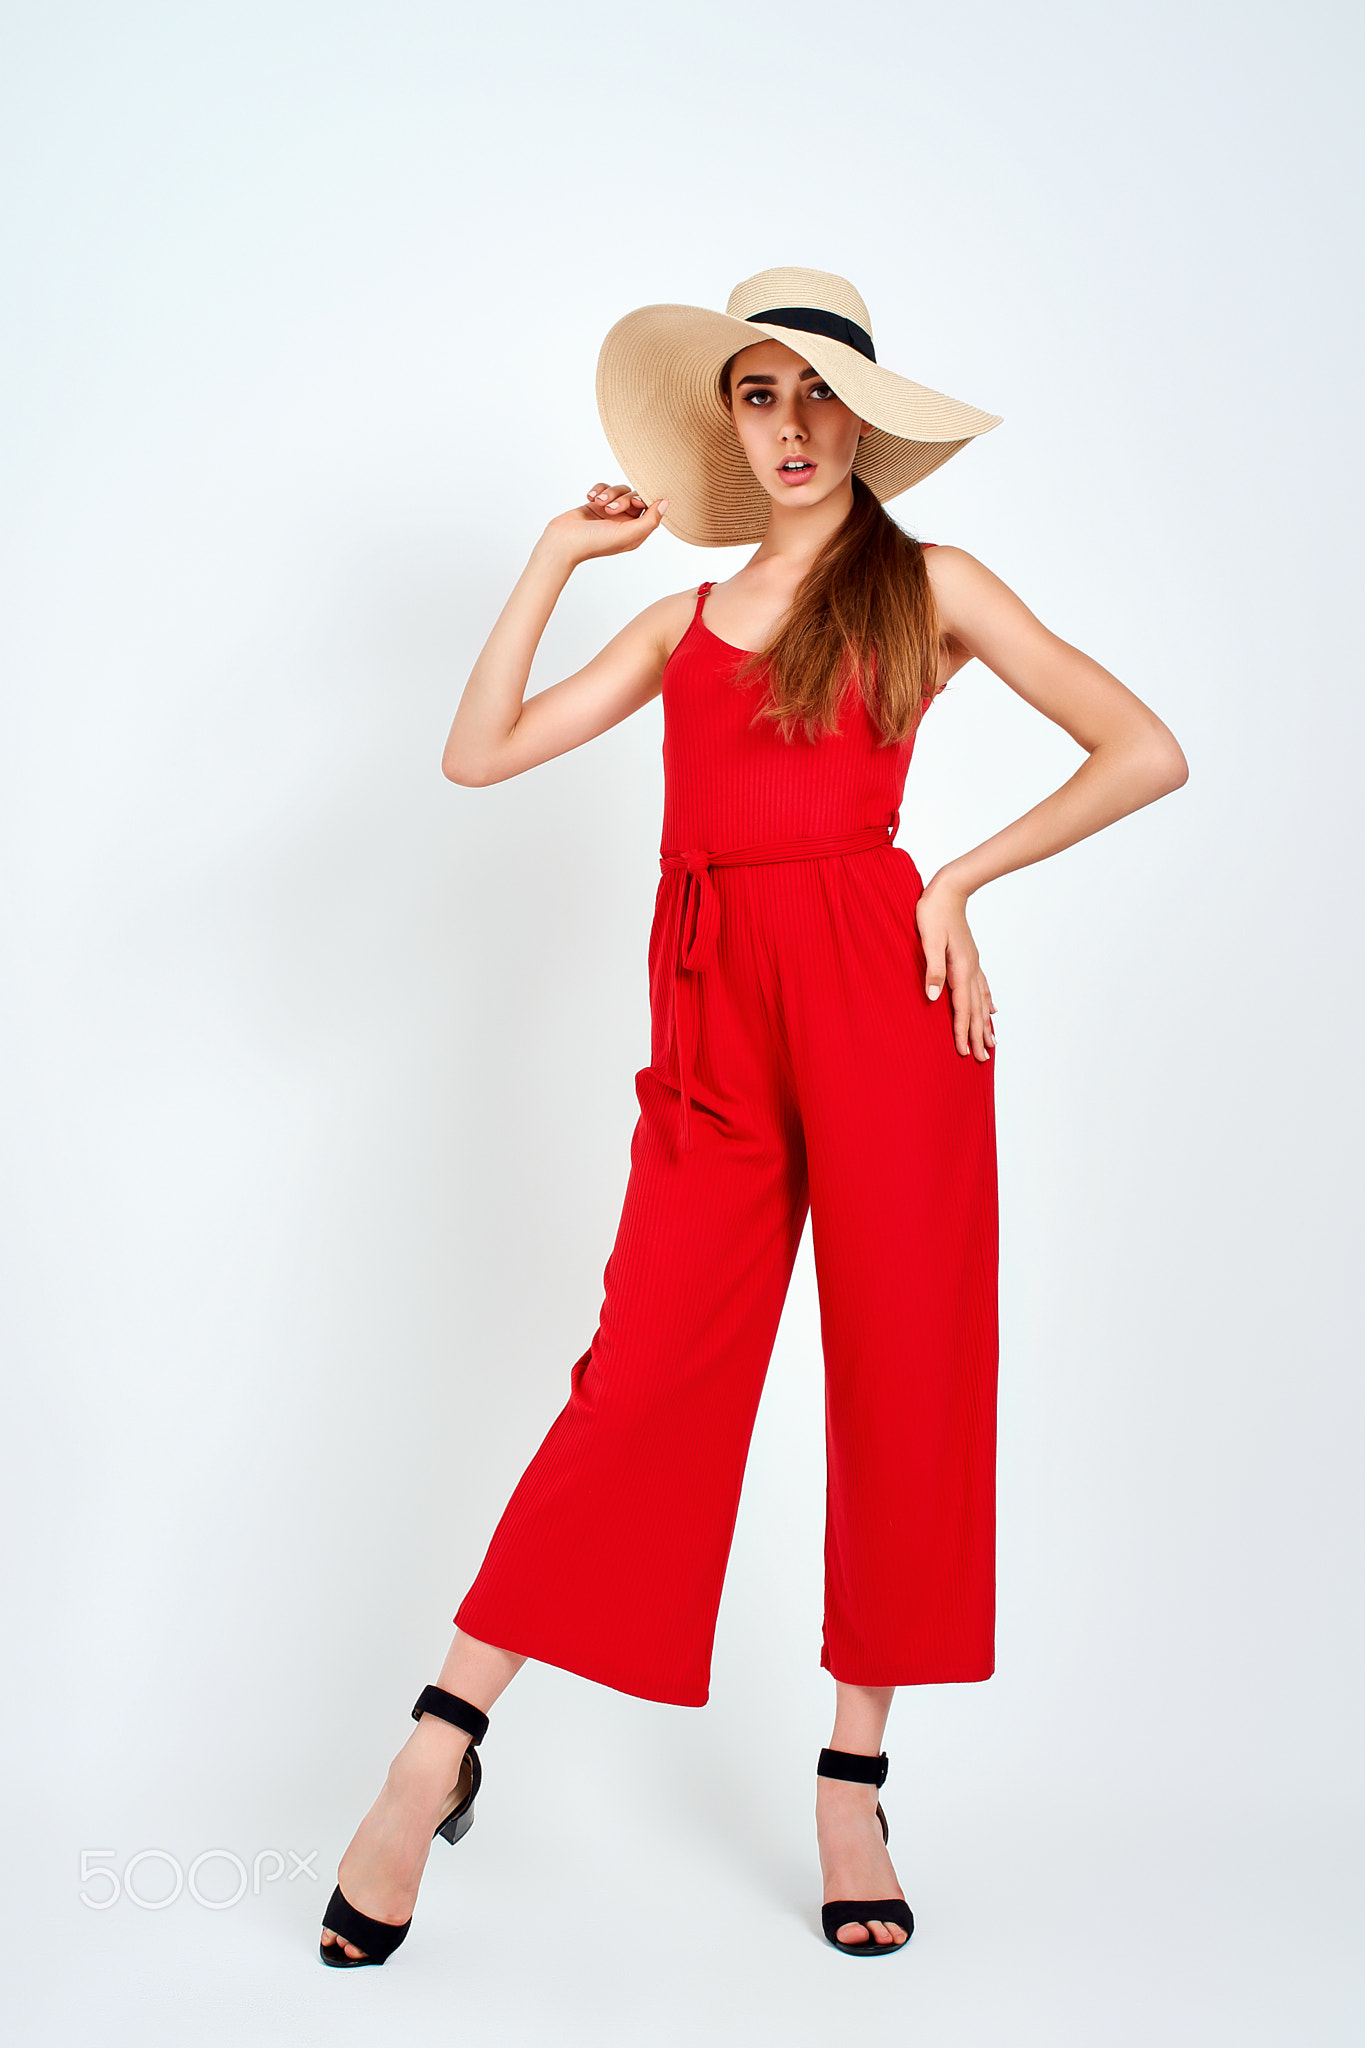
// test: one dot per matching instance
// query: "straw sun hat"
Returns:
(658, 395)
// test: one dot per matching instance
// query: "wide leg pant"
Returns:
(822, 1079)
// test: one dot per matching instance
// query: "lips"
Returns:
(799, 472)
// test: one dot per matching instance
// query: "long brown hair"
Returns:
(866, 605)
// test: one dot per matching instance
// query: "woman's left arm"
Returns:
(1131, 759)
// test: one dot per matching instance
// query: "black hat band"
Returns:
(815, 320)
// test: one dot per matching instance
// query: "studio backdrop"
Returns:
(319, 1070)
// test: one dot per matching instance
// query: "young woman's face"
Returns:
(799, 438)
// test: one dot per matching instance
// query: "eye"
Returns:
(820, 391)
(757, 397)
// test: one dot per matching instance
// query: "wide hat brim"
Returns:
(667, 424)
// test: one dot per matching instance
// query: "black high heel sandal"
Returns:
(862, 1770)
(379, 1938)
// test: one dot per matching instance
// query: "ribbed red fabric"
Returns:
(796, 1065)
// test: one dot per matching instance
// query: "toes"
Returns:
(853, 1931)
(330, 1940)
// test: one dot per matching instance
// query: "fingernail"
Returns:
(663, 504)
(933, 993)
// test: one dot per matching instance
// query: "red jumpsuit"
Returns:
(795, 1063)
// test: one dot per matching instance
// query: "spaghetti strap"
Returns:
(701, 600)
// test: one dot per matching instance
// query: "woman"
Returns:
(800, 1060)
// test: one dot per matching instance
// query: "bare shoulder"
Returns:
(968, 594)
(952, 569)
(632, 663)
(952, 581)
(668, 618)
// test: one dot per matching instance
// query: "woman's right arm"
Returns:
(496, 734)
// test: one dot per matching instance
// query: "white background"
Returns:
(319, 1071)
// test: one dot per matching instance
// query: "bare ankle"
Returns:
(428, 1763)
(846, 1796)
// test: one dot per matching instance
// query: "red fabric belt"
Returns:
(699, 925)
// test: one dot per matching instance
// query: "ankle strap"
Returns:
(447, 1706)
(857, 1770)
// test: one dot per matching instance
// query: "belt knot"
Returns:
(699, 926)
(698, 914)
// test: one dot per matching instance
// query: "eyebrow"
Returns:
(773, 380)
